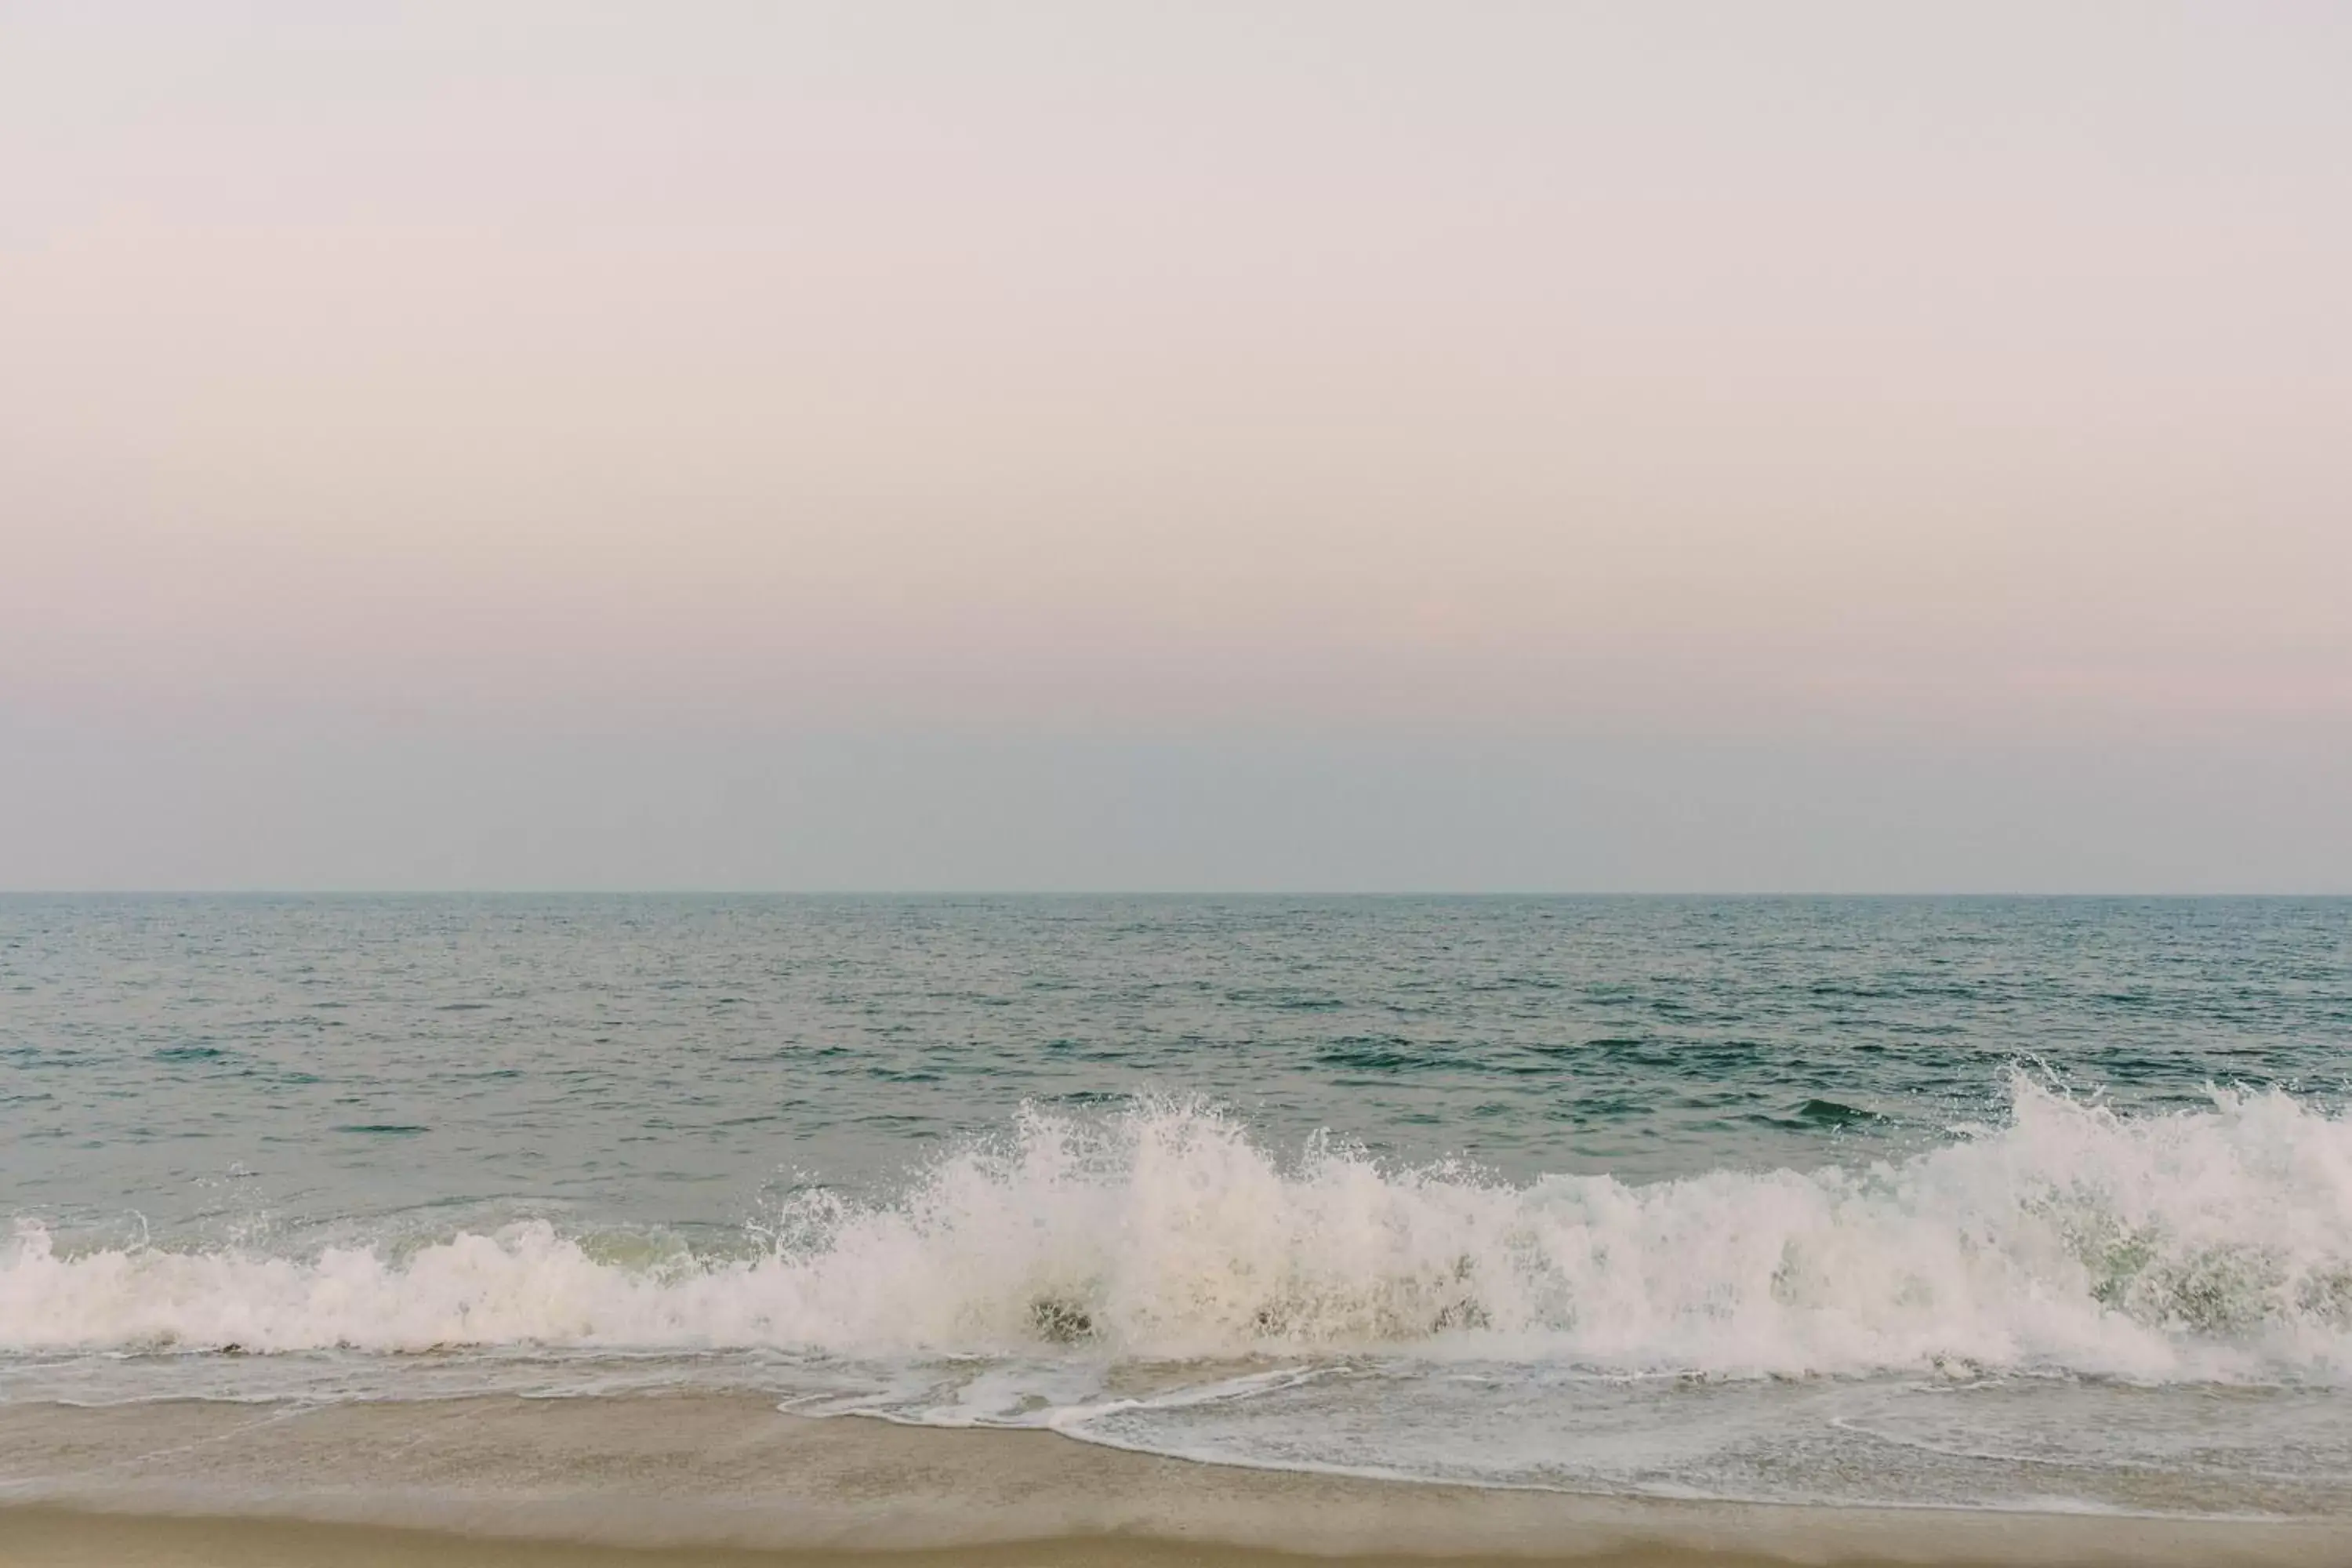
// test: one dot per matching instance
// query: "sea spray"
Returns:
(2206, 1244)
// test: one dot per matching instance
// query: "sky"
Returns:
(1285, 446)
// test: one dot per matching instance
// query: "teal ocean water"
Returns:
(2002, 1203)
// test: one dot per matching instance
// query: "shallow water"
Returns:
(2003, 1202)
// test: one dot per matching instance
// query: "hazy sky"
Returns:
(1176, 445)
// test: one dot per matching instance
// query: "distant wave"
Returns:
(2207, 1244)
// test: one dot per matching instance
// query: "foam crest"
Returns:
(2216, 1243)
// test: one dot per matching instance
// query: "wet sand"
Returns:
(706, 1478)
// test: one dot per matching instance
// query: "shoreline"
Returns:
(659, 1480)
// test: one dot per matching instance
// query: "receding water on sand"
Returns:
(684, 1476)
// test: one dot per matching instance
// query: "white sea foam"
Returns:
(2210, 1244)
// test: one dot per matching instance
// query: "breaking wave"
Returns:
(2207, 1244)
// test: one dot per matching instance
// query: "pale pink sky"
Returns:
(1579, 383)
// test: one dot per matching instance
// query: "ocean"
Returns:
(1995, 1203)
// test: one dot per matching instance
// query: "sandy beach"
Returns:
(720, 1479)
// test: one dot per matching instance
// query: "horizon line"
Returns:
(1110, 892)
